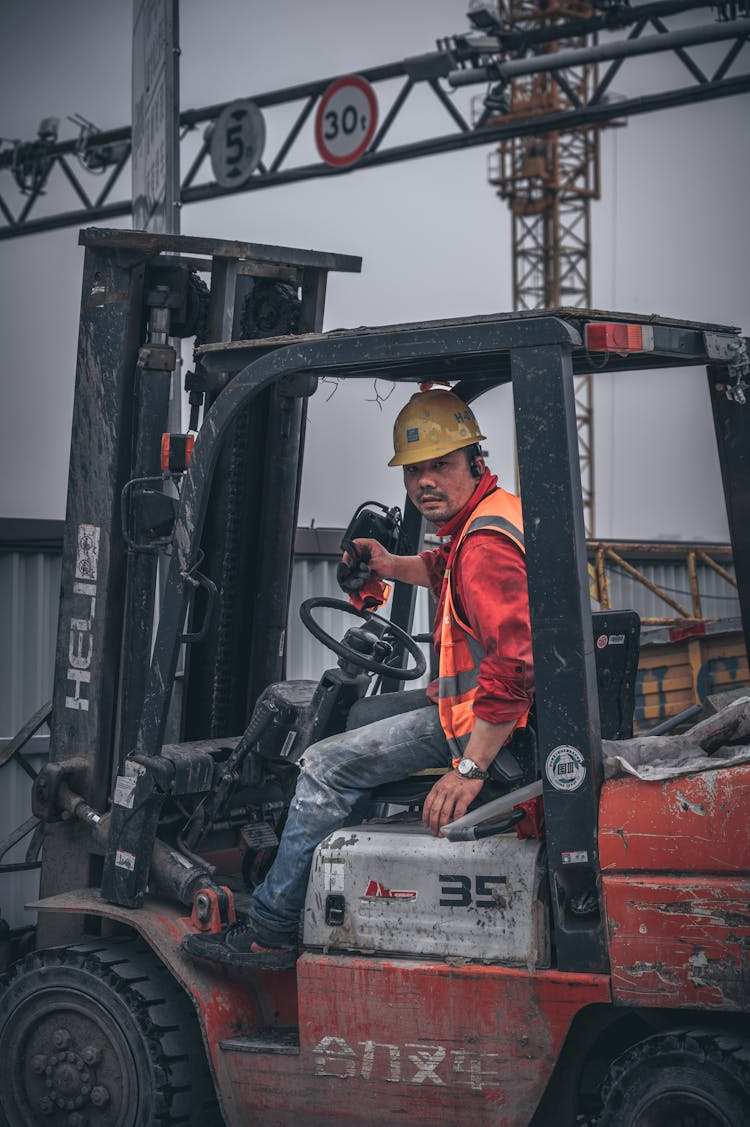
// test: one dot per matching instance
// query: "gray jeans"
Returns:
(337, 773)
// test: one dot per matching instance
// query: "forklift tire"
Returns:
(688, 1078)
(101, 1034)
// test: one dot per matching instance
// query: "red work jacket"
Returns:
(482, 631)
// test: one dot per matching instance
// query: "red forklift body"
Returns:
(675, 859)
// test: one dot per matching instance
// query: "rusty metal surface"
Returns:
(226, 1005)
(418, 1043)
(152, 244)
(690, 824)
(681, 666)
(679, 941)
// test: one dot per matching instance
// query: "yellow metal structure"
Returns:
(687, 656)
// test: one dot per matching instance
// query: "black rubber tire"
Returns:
(104, 1029)
(687, 1078)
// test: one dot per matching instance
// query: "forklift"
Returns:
(572, 951)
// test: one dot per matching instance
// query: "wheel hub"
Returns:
(77, 1070)
(682, 1111)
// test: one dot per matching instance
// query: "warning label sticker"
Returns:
(125, 791)
(333, 873)
(125, 860)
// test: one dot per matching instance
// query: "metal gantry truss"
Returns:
(93, 164)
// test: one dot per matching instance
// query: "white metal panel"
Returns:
(403, 891)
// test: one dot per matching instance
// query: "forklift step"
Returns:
(283, 1041)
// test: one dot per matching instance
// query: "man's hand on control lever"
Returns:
(372, 553)
(355, 570)
(384, 565)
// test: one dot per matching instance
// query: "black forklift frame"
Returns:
(540, 352)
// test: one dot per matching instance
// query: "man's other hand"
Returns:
(449, 799)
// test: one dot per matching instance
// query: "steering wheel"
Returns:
(352, 655)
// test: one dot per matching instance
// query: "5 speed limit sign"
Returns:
(237, 142)
(346, 120)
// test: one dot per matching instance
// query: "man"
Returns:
(483, 692)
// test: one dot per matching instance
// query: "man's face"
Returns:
(440, 487)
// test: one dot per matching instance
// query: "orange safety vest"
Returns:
(461, 652)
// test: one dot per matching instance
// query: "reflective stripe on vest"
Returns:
(461, 653)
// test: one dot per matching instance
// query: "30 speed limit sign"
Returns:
(346, 120)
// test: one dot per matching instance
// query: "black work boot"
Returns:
(239, 946)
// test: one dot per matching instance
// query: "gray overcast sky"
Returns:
(669, 236)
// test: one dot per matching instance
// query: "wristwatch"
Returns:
(468, 769)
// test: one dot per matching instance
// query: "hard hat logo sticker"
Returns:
(565, 768)
(412, 434)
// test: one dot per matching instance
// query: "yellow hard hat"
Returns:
(432, 423)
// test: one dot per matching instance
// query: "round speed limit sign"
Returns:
(237, 141)
(346, 120)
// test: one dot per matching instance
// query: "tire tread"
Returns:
(159, 1006)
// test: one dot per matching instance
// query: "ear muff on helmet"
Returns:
(474, 468)
(433, 423)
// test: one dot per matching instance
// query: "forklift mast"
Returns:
(138, 292)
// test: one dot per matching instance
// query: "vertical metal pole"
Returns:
(732, 425)
(405, 594)
(155, 158)
(151, 393)
(282, 472)
(565, 671)
(156, 116)
(93, 574)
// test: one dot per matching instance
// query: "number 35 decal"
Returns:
(456, 891)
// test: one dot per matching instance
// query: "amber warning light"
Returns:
(175, 452)
(614, 336)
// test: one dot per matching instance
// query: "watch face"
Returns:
(468, 769)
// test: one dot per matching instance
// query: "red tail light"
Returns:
(176, 450)
(615, 336)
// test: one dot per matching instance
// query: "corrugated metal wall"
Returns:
(29, 596)
(718, 598)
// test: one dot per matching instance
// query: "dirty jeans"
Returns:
(336, 774)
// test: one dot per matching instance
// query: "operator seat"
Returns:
(616, 649)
